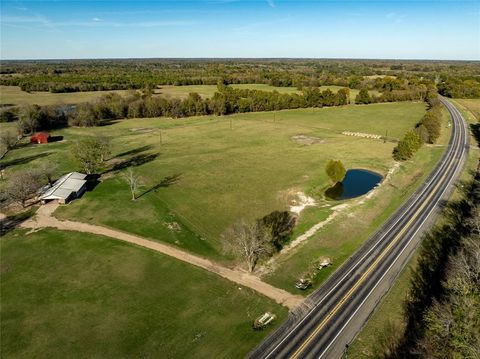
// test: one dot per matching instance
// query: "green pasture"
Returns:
(76, 295)
(206, 173)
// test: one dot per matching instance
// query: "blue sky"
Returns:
(229, 28)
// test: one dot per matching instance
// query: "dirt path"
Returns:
(44, 218)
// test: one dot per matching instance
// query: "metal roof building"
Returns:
(68, 187)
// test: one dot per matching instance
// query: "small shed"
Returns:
(40, 137)
(68, 187)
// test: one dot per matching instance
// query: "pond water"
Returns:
(356, 183)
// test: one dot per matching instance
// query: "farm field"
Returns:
(473, 105)
(205, 176)
(354, 223)
(13, 95)
(69, 294)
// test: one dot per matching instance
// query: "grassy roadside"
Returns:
(346, 233)
(388, 316)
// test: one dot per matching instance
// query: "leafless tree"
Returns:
(8, 139)
(23, 186)
(248, 241)
(133, 181)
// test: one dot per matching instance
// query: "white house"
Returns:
(68, 187)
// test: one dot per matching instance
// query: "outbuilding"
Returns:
(40, 137)
(67, 188)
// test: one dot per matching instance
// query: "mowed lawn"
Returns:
(205, 176)
(72, 295)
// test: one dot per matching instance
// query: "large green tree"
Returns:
(335, 170)
(88, 152)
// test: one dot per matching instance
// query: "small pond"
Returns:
(356, 183)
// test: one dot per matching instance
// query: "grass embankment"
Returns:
(13, 95)
(69, 294)
(389, 314)
(223, 174)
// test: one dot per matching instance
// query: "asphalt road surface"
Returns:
(331, 317)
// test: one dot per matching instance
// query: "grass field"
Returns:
(69, 295)
(12, 95)
(221, 174)
(472, 105)
(341, 237)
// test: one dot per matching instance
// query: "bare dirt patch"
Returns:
(299, 202)
(142, 129)
(307, 140)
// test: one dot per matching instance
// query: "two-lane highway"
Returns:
(332, 315)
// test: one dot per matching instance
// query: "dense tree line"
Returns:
(442, 308)
(460, 88)
(95, 75)
(410, 93)
(427, 130)
(226, 100)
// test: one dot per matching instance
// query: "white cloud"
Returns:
(96, 19)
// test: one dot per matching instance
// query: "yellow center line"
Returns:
(372, 266)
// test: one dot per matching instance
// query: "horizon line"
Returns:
(239, 58)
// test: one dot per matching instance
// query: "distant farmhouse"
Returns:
(67, 188)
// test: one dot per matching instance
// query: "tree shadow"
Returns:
(107, 122)
(135, 151)
(335, 192)
(55, 138)
(475, 128)
(11, 222)
(92, 181)
(23, 160)
(134, 161)
(165, 182)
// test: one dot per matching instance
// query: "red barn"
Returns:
(40, 137)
